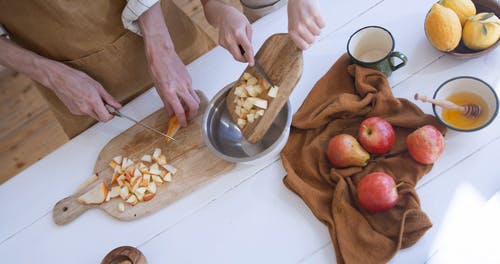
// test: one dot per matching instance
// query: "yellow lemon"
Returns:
(463, 8)
(481, 31)
(443, 28)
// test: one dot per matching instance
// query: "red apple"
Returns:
(377, 192)
(344, 151)
(376, 135)
(425, 144)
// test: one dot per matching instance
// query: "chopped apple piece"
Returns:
(135, 182)
(108, 197)
(155, 169)
(157, 179)
(87, 182)
(137, 172)
(124, 192)
(237, 111)
(139, 193)
(132, 200)
(252, 81)
(162, 160)
(168, 177)
(251, 90)
(115, 192)
(152, 187)
(273, 92)
(148, 196)
(126, 163)
(118, 160)
(247, 76)
(260, 112)
(145, 181)
(261, 103)
(96, 195)
(249, 103)
(170, 168)
(240, 91)
(121, 180)
(250, 118)
(147, 158)
(121, 207)
(241, 122)
(113, 164)
(156, 153)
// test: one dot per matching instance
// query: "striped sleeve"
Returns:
(3, 32)
(132, 11)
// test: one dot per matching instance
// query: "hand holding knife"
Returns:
(258, 67)
(116, 112)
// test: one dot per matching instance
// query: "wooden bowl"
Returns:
(124, 255)
(461, 51)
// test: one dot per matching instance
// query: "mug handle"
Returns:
(400, 56)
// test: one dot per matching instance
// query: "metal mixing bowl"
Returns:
(224, 138)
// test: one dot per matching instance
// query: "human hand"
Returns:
(173, 83)
(81, 94)
(169, 74)
(234, 29)
(304, 22)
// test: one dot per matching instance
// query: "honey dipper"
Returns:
(469, 110)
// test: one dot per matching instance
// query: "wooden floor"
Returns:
(29, 130)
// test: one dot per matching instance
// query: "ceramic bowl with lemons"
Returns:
(464, 28)
(466, 90)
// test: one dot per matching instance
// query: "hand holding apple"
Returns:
(425, 144)
(344, 151)
(376, 135)
(377, 192)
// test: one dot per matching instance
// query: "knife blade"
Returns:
(263, 73)
(116, 112)
(259, 68)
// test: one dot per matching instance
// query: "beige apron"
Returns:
(89, 36)
(255, 9)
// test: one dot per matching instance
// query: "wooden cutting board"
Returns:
(282, 61)
(195, 163)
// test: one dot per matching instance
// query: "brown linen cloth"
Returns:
(338, 103)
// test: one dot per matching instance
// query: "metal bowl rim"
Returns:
(212, 148)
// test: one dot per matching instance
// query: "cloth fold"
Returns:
(338, 103)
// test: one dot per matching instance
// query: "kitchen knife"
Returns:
(258, 68)
(116, 112)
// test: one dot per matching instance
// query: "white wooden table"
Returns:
(248, 215)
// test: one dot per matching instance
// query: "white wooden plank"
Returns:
(472, 237)
(96, 232)
(260, 221)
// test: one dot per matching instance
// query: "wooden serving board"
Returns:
(195, 163)
(282, 61)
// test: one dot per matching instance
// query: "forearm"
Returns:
(24, 61)
(213, 10)
(154, 29)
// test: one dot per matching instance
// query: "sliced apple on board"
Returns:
(172, 127)
(132, 181)
(96, 195)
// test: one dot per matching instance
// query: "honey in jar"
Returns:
(456, 119)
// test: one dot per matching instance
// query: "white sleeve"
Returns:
(3, 32)
(132, 11)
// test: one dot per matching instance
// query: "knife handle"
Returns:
(112, 110)
(242, 51)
